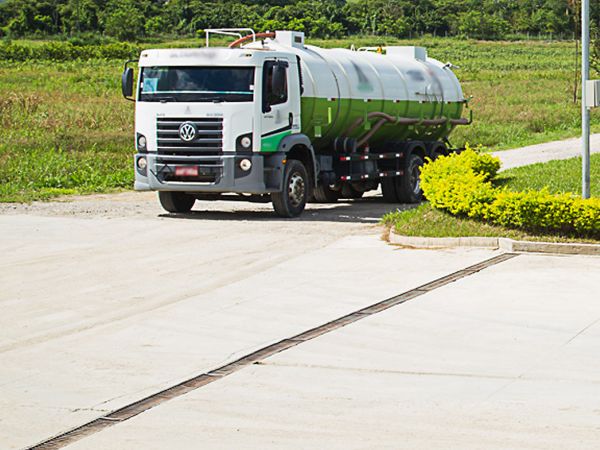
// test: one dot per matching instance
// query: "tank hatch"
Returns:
(290, 38)
(409, 52)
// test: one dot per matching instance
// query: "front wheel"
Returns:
(290, 202)
(176, 202)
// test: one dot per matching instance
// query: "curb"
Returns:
(506, 244)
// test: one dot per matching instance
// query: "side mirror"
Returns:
(127, 83)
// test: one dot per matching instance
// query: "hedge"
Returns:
(461, 183)
(66, 51)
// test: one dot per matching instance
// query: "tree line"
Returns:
(135, 20)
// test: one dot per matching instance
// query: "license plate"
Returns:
(186, 171)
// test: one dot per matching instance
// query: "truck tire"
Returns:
(437, 149)
(388, 188)
(324, 194)
(408, 186)
(176, 202)
(290, 202)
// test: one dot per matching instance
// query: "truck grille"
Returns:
(208, 140)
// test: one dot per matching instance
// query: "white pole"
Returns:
(585, 112)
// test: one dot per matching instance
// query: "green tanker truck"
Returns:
(277, 120)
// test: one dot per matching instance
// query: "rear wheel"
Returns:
(388, 188)
(290, 202)
(408, 186)
(324, 194)
(437, 149)
(176, 202)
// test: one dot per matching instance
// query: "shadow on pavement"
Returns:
(365, 210)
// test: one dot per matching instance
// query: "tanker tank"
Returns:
(400, 91)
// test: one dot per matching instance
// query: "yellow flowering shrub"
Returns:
(461, 183)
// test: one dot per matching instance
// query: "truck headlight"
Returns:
(141, 142)
(243, 143)
(245, 165)
(246, 142)
(142, 163)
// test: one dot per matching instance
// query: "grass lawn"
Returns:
(426, 221)
(66, 129)
(557, 176)
(429, 222)
(63, 129)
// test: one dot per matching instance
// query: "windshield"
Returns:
(197, 84)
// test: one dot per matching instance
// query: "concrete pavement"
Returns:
(100, 313)
(505, 358)
(548, 151)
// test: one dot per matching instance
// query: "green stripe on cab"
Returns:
(271, 143)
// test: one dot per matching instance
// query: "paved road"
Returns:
(539, 153)
(506, 358)
(106, 306)
(105, 300)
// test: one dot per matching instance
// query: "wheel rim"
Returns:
(415, 180)
(296, 189)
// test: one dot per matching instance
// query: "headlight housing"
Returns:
(141, 142)
(243, 144)
(141, 165)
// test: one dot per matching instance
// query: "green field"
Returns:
(66, 128)
(558, 176)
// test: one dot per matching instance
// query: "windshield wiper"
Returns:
(164, 99)
(161, 98)
(213, 98)
(226, 98)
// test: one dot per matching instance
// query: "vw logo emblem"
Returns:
(187, 131)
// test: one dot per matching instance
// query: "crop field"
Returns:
(66, 129)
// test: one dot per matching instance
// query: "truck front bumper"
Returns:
(217, 174)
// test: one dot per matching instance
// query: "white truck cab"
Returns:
(206, 118)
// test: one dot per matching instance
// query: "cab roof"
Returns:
(207, 56)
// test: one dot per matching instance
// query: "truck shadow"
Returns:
(365, 210)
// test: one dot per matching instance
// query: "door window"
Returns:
(275, 91)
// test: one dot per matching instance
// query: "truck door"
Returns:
(280, 103)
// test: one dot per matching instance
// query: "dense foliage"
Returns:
(462, 185)
(67, 51)
(133, 20)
